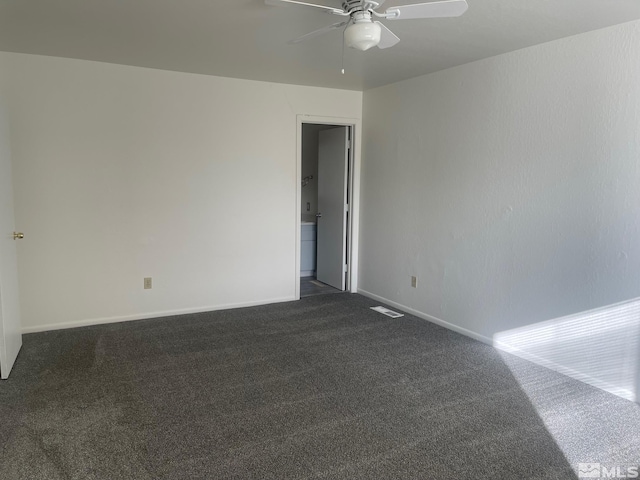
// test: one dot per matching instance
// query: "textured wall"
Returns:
(310, 167)
(123, 173)
(309, 192)
(509, 186)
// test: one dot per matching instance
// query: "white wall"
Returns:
(124, 172)
(310, 167)
(509, 186)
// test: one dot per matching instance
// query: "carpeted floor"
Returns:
(320, 388)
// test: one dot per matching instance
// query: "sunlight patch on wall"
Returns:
(599, 347)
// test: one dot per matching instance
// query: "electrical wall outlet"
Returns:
(414, 282)
(147, 283)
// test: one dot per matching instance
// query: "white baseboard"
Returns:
(429, 318)
(144, 316)
(569, 372)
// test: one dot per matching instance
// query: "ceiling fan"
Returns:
(363, 32)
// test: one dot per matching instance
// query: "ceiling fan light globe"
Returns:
(362, 36)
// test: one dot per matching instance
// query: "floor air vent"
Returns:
(387, 312)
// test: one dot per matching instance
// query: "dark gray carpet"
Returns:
(321, 388)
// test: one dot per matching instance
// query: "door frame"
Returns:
(353, 221)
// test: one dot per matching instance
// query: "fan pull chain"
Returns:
(343, 32)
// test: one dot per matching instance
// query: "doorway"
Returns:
(326, 166)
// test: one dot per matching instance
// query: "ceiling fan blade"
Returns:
(444, 8)
(280, 3)
(318, 32)
(387, 37)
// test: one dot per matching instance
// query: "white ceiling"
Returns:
(247, 39)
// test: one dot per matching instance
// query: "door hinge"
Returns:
(346, 207)
(346, 268)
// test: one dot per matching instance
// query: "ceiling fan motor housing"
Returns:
(360, 5)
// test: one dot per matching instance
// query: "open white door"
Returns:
(10, 328)
(333, 158)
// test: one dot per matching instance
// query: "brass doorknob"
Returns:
(18, 235)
